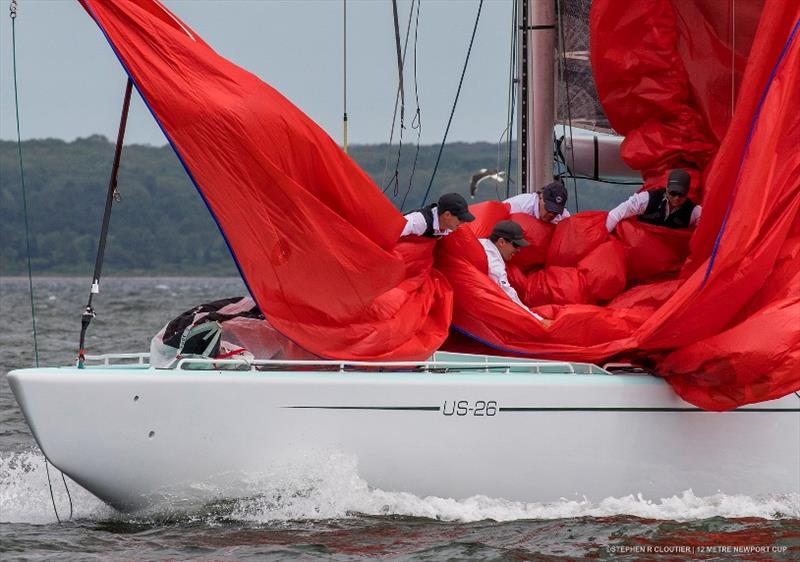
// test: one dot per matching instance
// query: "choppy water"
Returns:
(333, 513)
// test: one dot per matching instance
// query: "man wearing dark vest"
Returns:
(669, 206)
(438, 219)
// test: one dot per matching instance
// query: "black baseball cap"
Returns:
(457, 205)
(678, 181)
(555, 197)
(511, 231)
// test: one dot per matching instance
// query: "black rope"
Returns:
(416, 123)
(69, 496)
(401, 93)
(52, 496)
(400, 56)
(395, 179)
(601, 180)
(88, 312)
(399, 98)
(455, 103)
(559, 158)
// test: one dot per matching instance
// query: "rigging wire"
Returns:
(512, 91)
(559, 158)
(455, 103)
(500, 173)
(562, 59)
(416, 122)
(507, 132)
(344, 77)
(400, 56)
(399, 99)
(600, 180)
(13, 15)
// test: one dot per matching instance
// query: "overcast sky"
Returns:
(71, 85)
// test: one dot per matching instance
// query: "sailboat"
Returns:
(333, 281)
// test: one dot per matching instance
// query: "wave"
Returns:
(329, 487)
(25, 494)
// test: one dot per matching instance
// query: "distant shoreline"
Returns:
(161, 227)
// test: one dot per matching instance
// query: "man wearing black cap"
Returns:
(547, 204)
(504, 242)
(669, 206)
(438, 219)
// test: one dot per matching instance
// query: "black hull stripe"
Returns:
(740, 410)
(502, 409)
(400, 408)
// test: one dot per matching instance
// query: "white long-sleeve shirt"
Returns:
(415, 224)
(636, 204)
(529, 203)
(499, 274)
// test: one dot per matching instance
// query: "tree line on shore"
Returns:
(161, 225)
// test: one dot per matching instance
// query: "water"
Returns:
(331, 513)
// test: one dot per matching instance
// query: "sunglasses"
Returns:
(676, 194)
(513, 243)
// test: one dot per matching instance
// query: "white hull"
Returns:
(137, 436)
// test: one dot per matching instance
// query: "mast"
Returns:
(536, 93)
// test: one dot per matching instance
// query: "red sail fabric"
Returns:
(313, 237)
(723, 325)
(645, 88)
(316, 241)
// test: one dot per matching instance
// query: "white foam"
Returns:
(25, 495)
(333, 489)
(329, 487)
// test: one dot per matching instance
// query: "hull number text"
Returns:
(478, 408)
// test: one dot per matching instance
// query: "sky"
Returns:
(71, 85)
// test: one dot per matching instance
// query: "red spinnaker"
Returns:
(313, 237)
(733, 327)
(715, 310)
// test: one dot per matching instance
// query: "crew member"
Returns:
(504, 242)
(547, 204)
(669, 206)
(438, 219)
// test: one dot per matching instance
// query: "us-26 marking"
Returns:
(478, 408)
